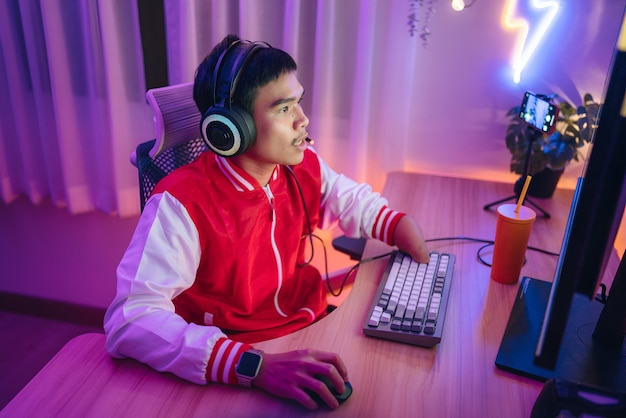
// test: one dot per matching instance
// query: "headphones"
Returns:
(227, 128)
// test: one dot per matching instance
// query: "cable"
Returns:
(349, 273)
(480, 258)
(487, 243)
(311, 236)
(308, 222)
(602, 296)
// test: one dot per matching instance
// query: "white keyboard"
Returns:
(410, 304)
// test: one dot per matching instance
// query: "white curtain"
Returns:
(356, 60)
(73, 105)
(409, 84)
(379, 98)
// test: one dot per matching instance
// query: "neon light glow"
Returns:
(530, 34)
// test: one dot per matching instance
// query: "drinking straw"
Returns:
(522, 195)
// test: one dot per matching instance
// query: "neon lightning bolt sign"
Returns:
(526, 45)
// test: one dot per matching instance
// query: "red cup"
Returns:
(512, 234)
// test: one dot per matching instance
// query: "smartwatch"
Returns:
(248, 367)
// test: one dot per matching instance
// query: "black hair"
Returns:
(265, 66)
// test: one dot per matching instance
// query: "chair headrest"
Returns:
(176, 117)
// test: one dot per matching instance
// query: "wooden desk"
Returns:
(455, 379)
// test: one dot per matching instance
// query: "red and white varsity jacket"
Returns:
(215, 263)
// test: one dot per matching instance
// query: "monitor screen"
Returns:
(561, 329)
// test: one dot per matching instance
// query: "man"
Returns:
(217, 260)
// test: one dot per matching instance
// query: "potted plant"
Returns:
(550, 153)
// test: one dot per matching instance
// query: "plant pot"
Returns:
(543, 183)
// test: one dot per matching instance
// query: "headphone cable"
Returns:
(310, 234)
(486, 244)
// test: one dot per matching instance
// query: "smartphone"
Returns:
(539, 113)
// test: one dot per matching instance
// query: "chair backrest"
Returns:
(177, 142)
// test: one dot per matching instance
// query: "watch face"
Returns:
(249, 364)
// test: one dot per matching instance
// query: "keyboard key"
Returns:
(391, 279)
(411, 300)
(417, 326)
(375, 316)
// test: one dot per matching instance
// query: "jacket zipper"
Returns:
(270, 198)
(277, 258)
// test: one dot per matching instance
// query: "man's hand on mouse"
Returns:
(289, 375)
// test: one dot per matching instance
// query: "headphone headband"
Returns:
(226, 128)
(235, 58)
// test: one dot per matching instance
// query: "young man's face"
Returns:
(280, 124)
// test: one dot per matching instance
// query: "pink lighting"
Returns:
(530, 34)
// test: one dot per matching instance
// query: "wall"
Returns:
(45, 252)
(464, 80)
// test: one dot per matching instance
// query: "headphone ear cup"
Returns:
(228, 132)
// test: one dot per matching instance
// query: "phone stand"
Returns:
(517, 188)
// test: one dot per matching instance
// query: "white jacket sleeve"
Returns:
(159, 264)
(359, 211)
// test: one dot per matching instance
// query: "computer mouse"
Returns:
(341, 397)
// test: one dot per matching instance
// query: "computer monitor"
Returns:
(561, 330)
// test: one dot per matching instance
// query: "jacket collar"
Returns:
(241, 180)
